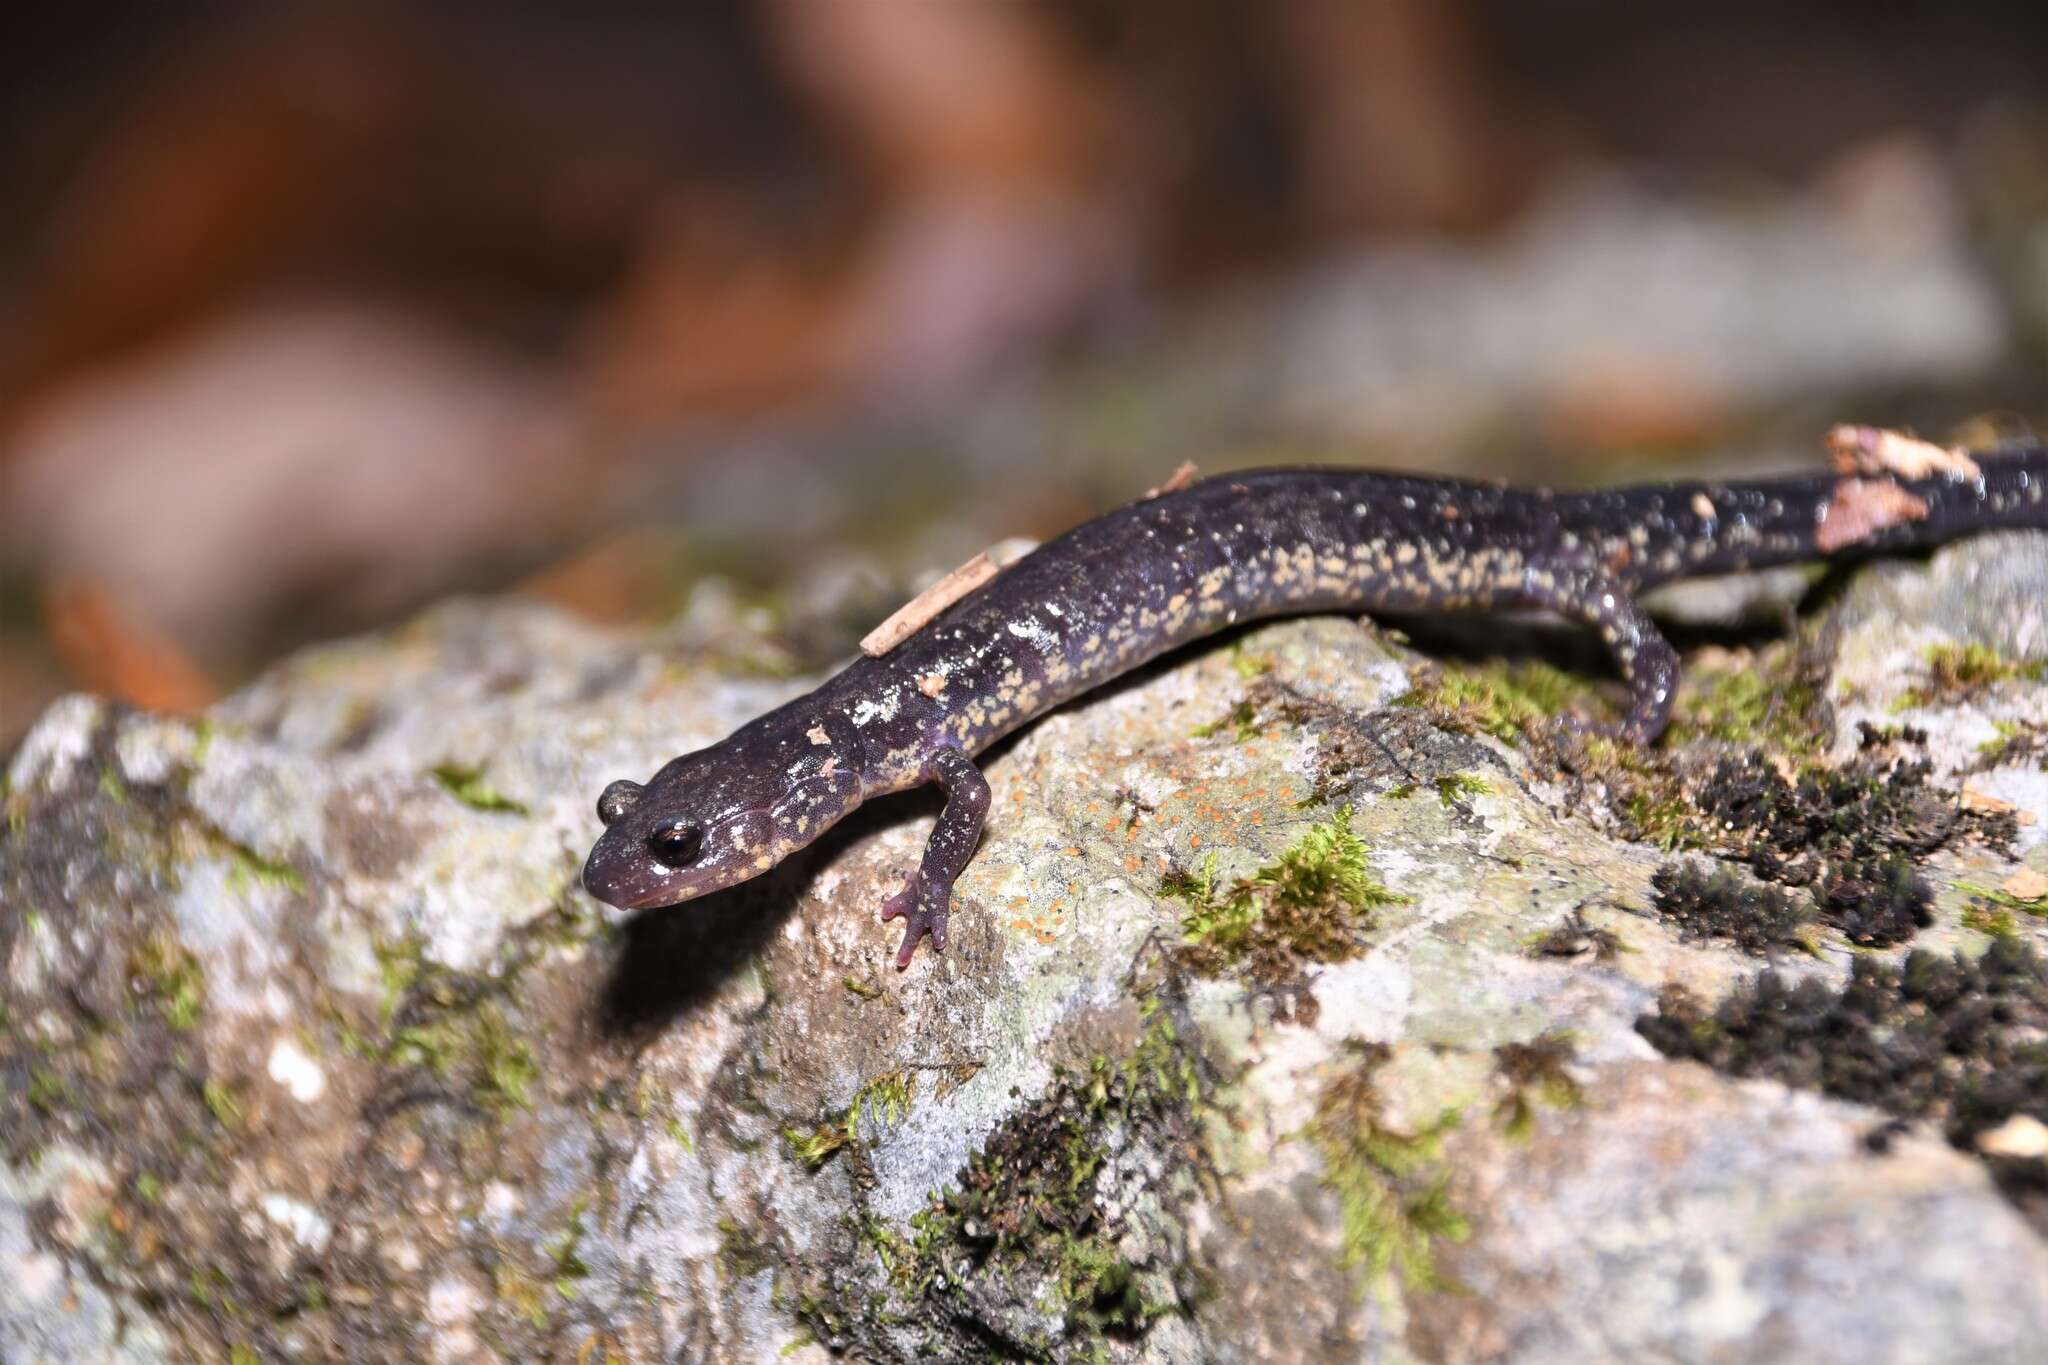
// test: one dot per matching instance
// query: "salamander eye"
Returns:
(620, 797)
(676, 844)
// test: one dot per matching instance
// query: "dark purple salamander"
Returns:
(1128, 586)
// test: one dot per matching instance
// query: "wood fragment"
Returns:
(1988, 804)
(106, 647)
(2025, 884)
(1879, 450)
(913, 615)
(1179, 479)
(1861, 508)
(2021, 1137)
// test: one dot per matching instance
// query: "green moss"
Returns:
(398, 967)
(1535, 1077)
(507, 1063)
(1390, 1185)
(467, 784)
(1775, 696)
(1995, 898)
(47, 1091)
(815, 1147)
(568, 1266)
(111, 785)
(1454, 789)
(1029, 1197)
(2017, 742)
(740, 1253)
(163, 971)
(523, 1294)
(247, 867)
(1036, 1227)
(220, 1100)
(884, 1101)
(1308, 906)
(470, 1041)
(861, 989)
(1513, 700)
(1958, 672)
(1998, 923)
(1242, 721)
(241, 1353)
(148, 1188)
(1246, 664)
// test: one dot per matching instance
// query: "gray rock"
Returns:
(314, 1046)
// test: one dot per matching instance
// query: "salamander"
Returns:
(1130, 585)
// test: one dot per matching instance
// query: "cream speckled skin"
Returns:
(1115, 592)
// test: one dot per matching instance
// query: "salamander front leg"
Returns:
(1590, 594)
(923, 902)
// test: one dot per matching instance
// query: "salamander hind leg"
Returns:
(1585, 592)
(925, 899)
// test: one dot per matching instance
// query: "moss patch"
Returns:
(1775, 696)
(884, 1101)
(1311, 905)
(2019, 744)
(1061, 1233)
(468, 784)
(1513, 701)
(455, 1027)
(1957, 673)
(1996, 922)
(1851, 833)
(247, 867)
(1720, 904)
(1390, 1185)
(1242, 722)
(1535, 1077)
(1998, 898)
(1949, 1039)
(164, 972)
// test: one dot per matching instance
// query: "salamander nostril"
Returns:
(676, 845)
(617, 799)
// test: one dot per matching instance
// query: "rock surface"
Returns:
(313, 1047)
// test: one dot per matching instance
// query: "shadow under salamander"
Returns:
(671, 960)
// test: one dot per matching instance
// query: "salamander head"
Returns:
(722, 815)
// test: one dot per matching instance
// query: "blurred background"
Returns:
(312, 313)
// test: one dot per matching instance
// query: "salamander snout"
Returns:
(617, 799)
